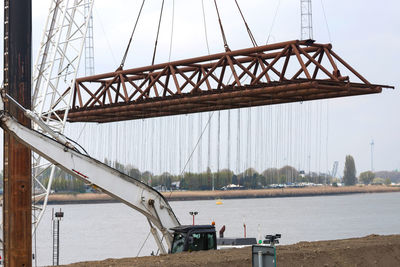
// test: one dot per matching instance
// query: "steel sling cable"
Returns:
(130, 39)
(253, 40)
(205, 26)
(273, 22)
(218, 146)
(172, 30)
(197, 143)
(221, 27)
(158, 32)
(327, 102)
(152, 63)
(208, 124)
(199, 151)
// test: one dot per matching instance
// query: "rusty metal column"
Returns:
(17, 214)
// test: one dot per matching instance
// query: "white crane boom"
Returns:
(128, 190)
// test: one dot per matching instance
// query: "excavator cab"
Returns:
(193, 238)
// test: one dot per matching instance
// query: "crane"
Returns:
(58, 150)
(56, 65)
(334, 169)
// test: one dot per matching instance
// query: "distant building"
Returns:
(175, 185)
(233, 187)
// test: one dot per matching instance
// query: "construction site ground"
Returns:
(372, 250)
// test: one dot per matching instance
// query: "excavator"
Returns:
(169, 234)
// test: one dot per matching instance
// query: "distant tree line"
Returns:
(62, 181)
(394, 176)
(250, 178)
(207, 180)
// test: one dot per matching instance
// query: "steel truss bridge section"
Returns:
(292, 71)
(56, 67)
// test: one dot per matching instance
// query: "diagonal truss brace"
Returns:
(292, 71)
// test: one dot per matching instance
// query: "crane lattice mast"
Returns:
(89, 43)
(306, 20)
(56, 67)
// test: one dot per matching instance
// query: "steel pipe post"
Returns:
(17, 214)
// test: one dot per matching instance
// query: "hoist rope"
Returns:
(131, 38)
(248, 160)
(160, 120)
(229, 140)
(196, 145)
(327, 136)
(180, 136)
(105, 36)
(205, 26)
(208, 125)
(327, 103)
(190, 142)
(218, 144)
(172, 30)
(238, 142)
(320, 137)
(209, 142)
(253, 40)
(326, 21)
(158, 33)
(273, 21)
(200, 163)
(221, 27)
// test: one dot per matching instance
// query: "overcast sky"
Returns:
(365, 33)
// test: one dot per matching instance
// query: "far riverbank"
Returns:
(231, 194)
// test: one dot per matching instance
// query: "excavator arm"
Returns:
(126, 189)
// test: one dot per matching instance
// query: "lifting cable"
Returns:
(327, 102)
(222, 28)
(172, 30)
(253, 40)
(205, 26)
(130, 39)
(238, 142)
(273, 21)
(158, 32)
(208, 125)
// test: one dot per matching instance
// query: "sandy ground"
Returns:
(373, 250)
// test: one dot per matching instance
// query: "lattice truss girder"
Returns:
(56, 67)
(271, 74)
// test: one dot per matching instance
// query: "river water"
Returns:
(100, 231)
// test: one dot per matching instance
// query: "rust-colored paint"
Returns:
(285, 72)
(17, 206)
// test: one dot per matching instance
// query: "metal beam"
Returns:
(264, 75)
(17, 215)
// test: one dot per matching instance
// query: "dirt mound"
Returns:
(368, 251)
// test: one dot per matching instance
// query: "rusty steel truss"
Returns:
(293, 71)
